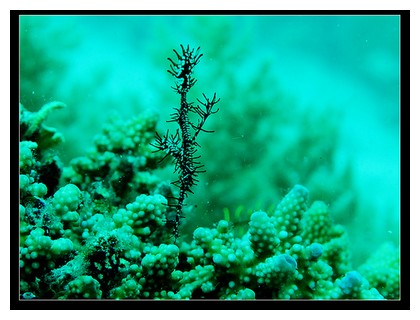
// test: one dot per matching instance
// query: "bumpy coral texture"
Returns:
(101, 232)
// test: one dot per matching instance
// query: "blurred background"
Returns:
(311, 100)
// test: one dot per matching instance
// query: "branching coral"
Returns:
(382, 270)
(89, 237)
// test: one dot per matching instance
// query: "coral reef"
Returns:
(100, 231)
(300, 126)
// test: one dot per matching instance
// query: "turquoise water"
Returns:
(312, 100)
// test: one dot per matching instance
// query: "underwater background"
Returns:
(310, 100)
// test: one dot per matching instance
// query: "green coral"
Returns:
(146, 215)
(26, 158)
(287, 215)
(119, 166)
(66, 199)
(354, 286)
(90, 237)
(263, 235)
(382, 270)
(32, 127)
(83, 287)
(39, 254)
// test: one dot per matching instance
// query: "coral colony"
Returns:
(103, 227)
